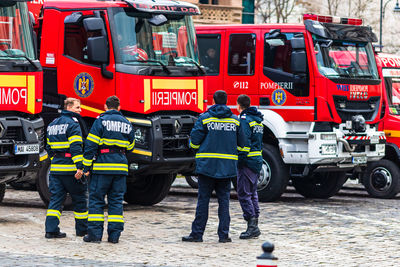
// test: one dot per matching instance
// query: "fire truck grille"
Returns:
(175, 136)
(41, 135)
(348, 108)
(14, 133)
(168, 129)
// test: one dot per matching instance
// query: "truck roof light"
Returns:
(333, 19)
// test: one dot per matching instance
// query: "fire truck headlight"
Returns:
(328, 136)
(380, 148)
(141, 136)
(328, 149)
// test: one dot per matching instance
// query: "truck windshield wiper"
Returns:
(366, 76)
(195, 63)
(165, 68)
(21, 56)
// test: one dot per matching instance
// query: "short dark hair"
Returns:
(220, 97)
(112, 102)
(70, 101)
(244, 101)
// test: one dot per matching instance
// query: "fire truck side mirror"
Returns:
(97, 49)
(93, 24)
(299, 57)
(298, 42)
(299, 62)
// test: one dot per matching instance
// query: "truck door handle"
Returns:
(264, 101)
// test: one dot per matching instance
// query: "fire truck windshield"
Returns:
(15, 33)
(138, 41)
(345, 60)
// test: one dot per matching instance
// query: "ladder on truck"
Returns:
(3, 40)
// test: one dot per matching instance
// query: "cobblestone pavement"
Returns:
(347, 230)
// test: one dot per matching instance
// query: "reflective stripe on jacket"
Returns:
(110, 132)
(216, 135)
(64, 144)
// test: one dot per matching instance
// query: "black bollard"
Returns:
(267, 259)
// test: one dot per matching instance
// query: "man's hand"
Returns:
(78, 174)
(87, 173)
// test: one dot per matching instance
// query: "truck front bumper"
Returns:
(17, 132)
(162, 145)
(338, 148)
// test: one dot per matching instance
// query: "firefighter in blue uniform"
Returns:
(110, 137)
(64, 145)
(217, 136)
(249, 165)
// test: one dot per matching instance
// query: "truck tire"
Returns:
(42, 185)
(2, 191)
(192, 181)
(320, 184)
(274, 175)
(381, 179)
(149, 190)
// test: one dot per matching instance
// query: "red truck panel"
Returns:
(21, 92)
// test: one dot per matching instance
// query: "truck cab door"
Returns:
(212, 54)
(241, 76)
(285, 81)
(82, 68)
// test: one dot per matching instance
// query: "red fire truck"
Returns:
(382, 178)
(21, 129)
(318, 86)
(145, 53)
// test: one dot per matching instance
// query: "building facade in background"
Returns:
(224, 11)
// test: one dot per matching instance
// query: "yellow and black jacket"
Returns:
(217, 135)
(64, 144)
(110, 137)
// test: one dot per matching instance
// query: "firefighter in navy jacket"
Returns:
(110, 137)
(216, 135)
(64, 146)
(249, 165)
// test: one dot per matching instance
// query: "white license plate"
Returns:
(26, 149)
(359, 160)
(374, 139)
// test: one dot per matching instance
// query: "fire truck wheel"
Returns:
(149, 190)
(2, 191)
(192, 181)
(320, 184)
(42, 185)
(381, 179)
(274, 175)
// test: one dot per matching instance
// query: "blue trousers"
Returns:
(222, 188)
(247, 192)
(114, 186)
(59, 186)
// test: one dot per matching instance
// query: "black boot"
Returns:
(55, 235)
(87, 238)
(244, 234)
(257, 230)
(252, 229)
